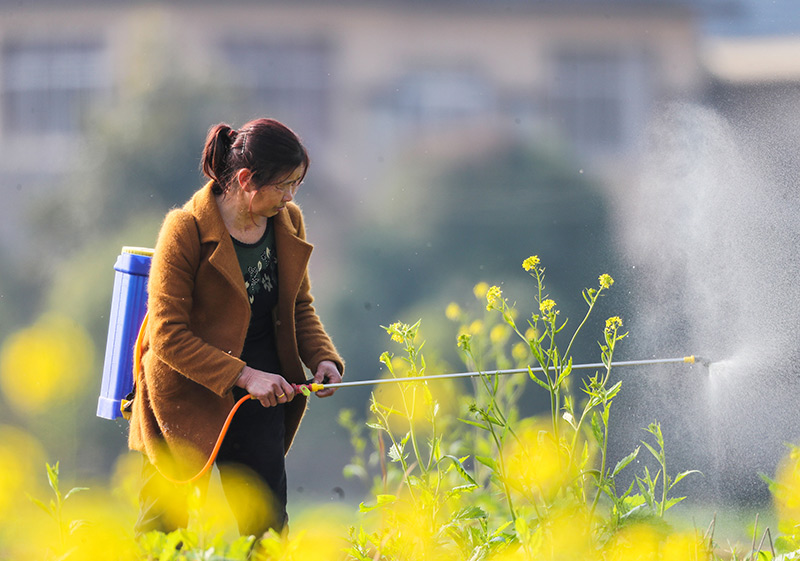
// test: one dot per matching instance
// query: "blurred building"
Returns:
(752, 57)
(360, 80)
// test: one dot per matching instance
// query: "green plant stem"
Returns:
(585, 318)
(603, 462)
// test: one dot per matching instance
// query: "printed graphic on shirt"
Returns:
(262, 276)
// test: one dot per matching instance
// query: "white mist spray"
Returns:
(711, 240)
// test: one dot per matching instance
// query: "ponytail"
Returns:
(215, 162)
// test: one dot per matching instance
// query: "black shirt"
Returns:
(259, 264)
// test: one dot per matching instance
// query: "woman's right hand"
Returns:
(269, 389)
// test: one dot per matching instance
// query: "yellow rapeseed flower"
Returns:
(21, 459)
(787, 494)
(396, 331)
(613, 323)
(567, 534)
(637, 542)
(605, 281)
(480, 290)
(686, 546)
(453, 311)
(535, 462)
(530, 263)
(45, 363)
(520, 352)
(547, 307)
(494, 297)
(498, 333)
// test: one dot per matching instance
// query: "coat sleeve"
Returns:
(313, 341)
(172, 278)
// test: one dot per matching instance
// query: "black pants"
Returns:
(252, 470)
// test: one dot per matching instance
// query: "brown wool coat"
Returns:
(198, 318)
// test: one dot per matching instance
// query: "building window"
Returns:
(49, 87)
(599, 98)
(432, 98)
(285, 79)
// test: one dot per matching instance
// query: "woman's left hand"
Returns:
(327, 373)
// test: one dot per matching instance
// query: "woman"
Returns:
(230, 314)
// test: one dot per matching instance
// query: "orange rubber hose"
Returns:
(137, 348)
(137, 365)
(215, 451)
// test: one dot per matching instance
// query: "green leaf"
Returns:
(76, 525)
(470, 513)
(491, 463)
(458, 490)
(593, 472)
(613, 391)
(682, 475)
(474, 424)
(540, 382)
(784, 544)
(624, 462)
(396, 452)
(41, 505)
(74, 490)
(457, 463)
(597, 431)
(353, 470)
(381, 501)
(240, 548)
(52, 476)
(672, 502)
(492, 419)
(655, 454)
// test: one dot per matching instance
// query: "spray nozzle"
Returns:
(691, 359)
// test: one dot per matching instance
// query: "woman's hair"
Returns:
(268, 148)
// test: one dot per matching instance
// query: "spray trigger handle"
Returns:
(309, 388)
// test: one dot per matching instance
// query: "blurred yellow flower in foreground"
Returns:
(415, 403)
(786, 492)
(44, 363)
(537, 466)
(637, 542)
(21, 459)
(685, 547)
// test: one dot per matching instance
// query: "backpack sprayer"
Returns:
(128, 309)
(128, 319)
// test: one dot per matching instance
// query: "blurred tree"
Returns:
(441, 228)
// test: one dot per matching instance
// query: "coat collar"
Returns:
(203, 206)
(293, 250)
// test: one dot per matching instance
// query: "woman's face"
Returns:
(268, 200)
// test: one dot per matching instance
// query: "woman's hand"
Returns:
(327, 373)
(269, 389)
